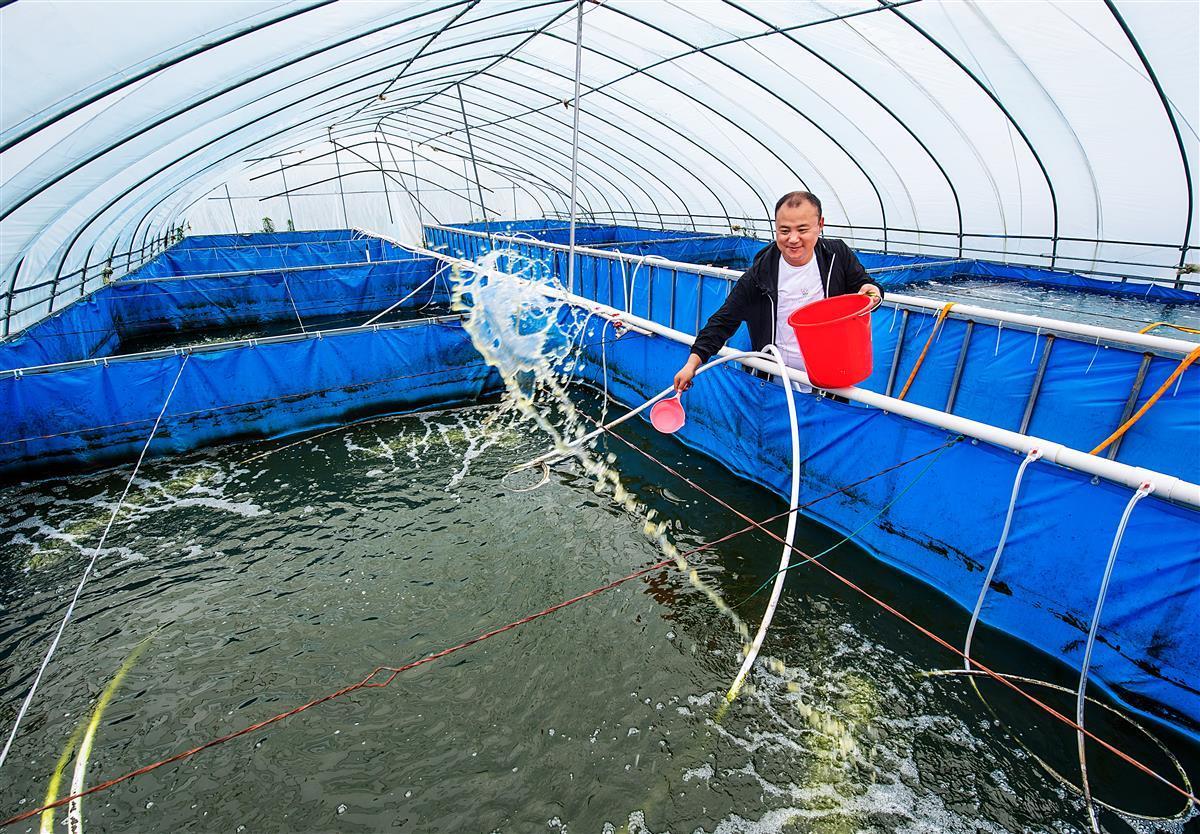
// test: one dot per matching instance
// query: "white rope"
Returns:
(1081, 694)
(295, 309)
(88, 571)
(575, 148)
(1033, 455)
(420, 287)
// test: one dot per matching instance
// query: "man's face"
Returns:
(796, 231)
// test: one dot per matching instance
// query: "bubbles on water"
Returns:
(52, 533)
(521, 324)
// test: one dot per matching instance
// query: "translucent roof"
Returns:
(1056, 133)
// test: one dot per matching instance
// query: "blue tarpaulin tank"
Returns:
(76, 398)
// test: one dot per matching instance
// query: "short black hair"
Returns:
(798, 198)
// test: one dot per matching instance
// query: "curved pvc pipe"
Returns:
(785, 559)
(770, 353)
(1081, 695)
(1033, 455)
(1168, 487)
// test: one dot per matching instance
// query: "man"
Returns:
(800, 268)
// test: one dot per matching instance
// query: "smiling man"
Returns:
(800, 268)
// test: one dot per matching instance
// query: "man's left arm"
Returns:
(857, 279)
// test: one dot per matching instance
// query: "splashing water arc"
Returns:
(530, 336)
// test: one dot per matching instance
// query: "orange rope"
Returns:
(937, 323)
(1150, 327)
(1128, 424)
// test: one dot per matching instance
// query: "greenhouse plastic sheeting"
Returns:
(1082, 395)
(945, 530)
(102, 414)
(737, 252)
(1064, 135)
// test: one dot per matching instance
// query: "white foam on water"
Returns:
(528, 336)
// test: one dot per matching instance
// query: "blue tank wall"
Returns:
(943, 532)
(1080, 402)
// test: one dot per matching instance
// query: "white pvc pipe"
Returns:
(1091, 331)
(793, 507)
(1088, 331)
(1081, 693)
(770, 354)
(575, 145)
(1165, 486)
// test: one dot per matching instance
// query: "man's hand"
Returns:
(683, 379)
(872, 292)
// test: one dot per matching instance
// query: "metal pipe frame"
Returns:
(1135, 391)
(958, 367)
(1166, 487)
(1088, 332)
(213, 347)
(1036, 387)
(425, 39)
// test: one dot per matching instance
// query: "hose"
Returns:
(1033, 455)
(770, 353)
(1081, 697)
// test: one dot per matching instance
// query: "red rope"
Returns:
(369, 683)
(1001, 678)
(366, 683)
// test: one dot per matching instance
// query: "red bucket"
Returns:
(835, 339)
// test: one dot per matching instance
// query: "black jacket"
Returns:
(756, 294)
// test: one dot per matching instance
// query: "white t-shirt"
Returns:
(798, 285)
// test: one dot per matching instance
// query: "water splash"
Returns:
(522, 326)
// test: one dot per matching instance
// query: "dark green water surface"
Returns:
(265, 580)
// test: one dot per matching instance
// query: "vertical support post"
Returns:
(229, 199)
(383, 176)
(1135, 391)
(341, 192)
(649, 294)
(112, 253)
(487, 227)
(1027, 417)
(575, 146)
(287, 195)
(82, 274)
(958, 368)
(412, 150)
(887, 392)
(12, 288)
(671, 312)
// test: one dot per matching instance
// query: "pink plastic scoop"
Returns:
(667, 415)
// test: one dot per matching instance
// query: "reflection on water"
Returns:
(1120, 312)
(269, 579)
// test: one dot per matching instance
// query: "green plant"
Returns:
(268, 225)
